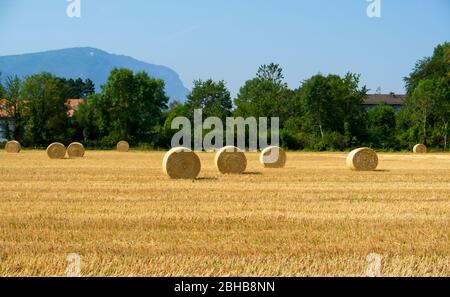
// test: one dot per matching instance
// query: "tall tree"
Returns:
(442, 111)
(88, 88)
(352, 106)
(212, 97)
(381, 124)
(78, 88)
(129, 107)
(333, 104)
(422, 105)
(176, 109)
(428, 87)
(4, 121)
(14, 108)
(45, 110)
(266, 95)
(434, 67)
(318, 101)
(272, 72)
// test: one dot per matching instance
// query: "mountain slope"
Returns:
(90, 63)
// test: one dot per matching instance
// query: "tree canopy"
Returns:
(325, 112)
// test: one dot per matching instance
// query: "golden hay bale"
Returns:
(181, 163)
(123, 146)
(75, 150)
(273, 157)
(230, 160)
(420, 149)
(362, 159)
(13, 147)
(56, 150)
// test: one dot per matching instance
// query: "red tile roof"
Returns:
(73, 105)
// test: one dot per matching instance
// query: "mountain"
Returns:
(87, 62)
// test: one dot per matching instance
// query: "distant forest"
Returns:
(324, 113)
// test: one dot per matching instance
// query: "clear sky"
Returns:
(229, 39)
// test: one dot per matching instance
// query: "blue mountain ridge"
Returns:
(88, 62)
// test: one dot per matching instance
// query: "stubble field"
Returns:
(315, 217)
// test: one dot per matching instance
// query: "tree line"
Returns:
(324, 113)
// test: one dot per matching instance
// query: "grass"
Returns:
(315, 217)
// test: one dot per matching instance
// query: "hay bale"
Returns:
(75, 150)
(181, 163)
(362, 159)
(56, 150)
(230, 160)
(273, 157)
(13, 147)
(123, 146)
(420, 149)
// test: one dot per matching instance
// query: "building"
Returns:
(392, 99)
(73, 105)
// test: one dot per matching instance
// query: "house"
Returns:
(73, 105)
(392, 99)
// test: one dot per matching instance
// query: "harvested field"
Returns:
(315, 217)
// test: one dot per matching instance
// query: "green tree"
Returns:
(78, 88)
(89, 122)
(434, 67)
(4, 123)
(332, 103)
(45, 110)
(421, 105)
(266, 95)
(351, 101)
(212, 97)
(332, 111)
(425, 116)
(381, 122)
(88, 88)
(318, 101)
(129, 107)
(441, 112)
(13, 107)
(272, 72)
(176, 109)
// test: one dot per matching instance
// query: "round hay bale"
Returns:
(123, 146)
(75, 150)
(362, 159)
(181, 163)
(56, 150)
(420, 149)
(230, 160)
(13, 147)
(273, 157)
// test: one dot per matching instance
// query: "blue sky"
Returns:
(229, 39)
